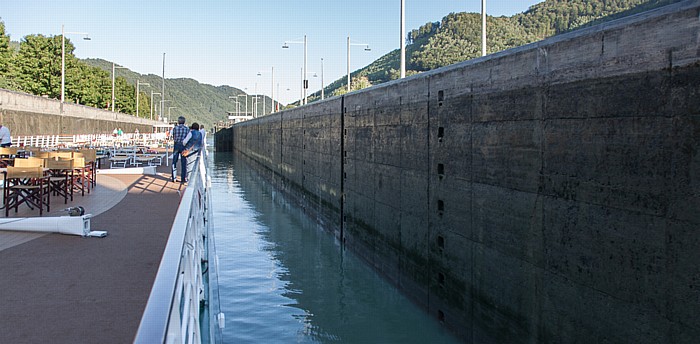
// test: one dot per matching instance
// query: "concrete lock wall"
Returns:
(26, 115)
(548, 193)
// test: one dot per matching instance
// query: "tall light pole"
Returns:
(63, 60)
(169, 108)
(272, 90)
(322, 94)
(138, 86)
(255, 108)
(403, 41)
(305, 82)
(238, 104)
(114, 67)
(483, 27)
(162, 96)
(152, 94)
(349, 44)
(246, 102)
(162, 114)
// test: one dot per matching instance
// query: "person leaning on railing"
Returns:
(181, 134)
(193, 145)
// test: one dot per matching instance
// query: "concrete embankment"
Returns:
(548, 193)
(26, 114)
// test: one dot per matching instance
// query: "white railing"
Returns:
(90, 140)
(180, 289)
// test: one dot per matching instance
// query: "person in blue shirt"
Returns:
(193, 145)
(180, 136)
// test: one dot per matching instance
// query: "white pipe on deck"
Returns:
(73, 225)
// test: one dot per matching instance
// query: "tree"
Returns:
(38, 65)
(5, 52)
(6, 60)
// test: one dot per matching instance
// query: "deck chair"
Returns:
(91, 163)
(61, 154)
(6, 156)
(26, 185)
(61, 178)
(29, 162)
(80, 175)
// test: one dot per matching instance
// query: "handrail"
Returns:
(172, 314)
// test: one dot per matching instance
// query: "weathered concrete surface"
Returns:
(26, 114)
(549, 193)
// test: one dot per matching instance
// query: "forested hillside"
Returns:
(201, 102)
(457, 37)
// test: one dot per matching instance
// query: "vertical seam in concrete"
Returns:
(342, 170)
(539, 197)
(428, 190)
(470, 115)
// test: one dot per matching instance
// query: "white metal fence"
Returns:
(90, 140)
(187, 274)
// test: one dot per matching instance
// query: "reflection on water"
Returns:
(284, 280)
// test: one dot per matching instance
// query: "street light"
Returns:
(152, 94)
(114, 66)
(138, 84)
(238, 104)
(162, 110)
(403, 41)
(322, 95)
(63, 59)
(272, 92)
(171, 107)
(483, 27)
(349, 44)
(246, 102)
(305, 82)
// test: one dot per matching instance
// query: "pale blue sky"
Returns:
(228, 42)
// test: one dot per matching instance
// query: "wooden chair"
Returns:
(80, 175)
(61, 178)
(61, 154)
(26, 185)
(29, 162)
(41, 154)
(7, 155)
(90, 161)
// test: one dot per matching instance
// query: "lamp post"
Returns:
(63, 60)
(171, 107)
(162, 112)
(322, 94)
(403, 41)
(349, 44)
(272, 92)
(152, 94)
(138, 84)
(114, 99)
(162, 96)
(483, 27)
(246, 102)
(305, 82)
(238, 104)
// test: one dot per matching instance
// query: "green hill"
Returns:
(457, 37)
(198, 102)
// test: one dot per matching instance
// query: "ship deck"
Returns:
(67, 289)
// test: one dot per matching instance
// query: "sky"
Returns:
(230, 42)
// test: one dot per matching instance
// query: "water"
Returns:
(285, 280)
